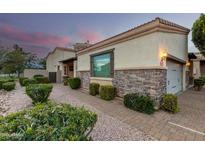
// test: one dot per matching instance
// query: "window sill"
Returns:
(101, 78)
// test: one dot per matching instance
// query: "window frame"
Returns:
(111, 52)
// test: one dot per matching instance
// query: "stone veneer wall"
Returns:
(143, 81)
(85, 78)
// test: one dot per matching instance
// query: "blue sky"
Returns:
(40, 33)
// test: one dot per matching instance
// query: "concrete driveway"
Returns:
(188, 124)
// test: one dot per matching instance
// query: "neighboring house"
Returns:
(197, 67)
(150, 58)
(60, 63)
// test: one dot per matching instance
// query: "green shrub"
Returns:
(8, 86)
(74, 83)
(107, 92)
(94, 89)
(37, 75)
(198, 84)
(42, 79)
(21, 79)
(2, 81)
(5, 80)
(26, 82)
(203, 79)
(48, 122)
(170, 103)
(139, 102)
(65, 81)
(39, 93)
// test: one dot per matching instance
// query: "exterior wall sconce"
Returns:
(163, 56)
(188, 64)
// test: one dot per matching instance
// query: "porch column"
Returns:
(196, 69)
(75, 68)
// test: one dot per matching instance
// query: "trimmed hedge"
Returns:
(5, 80)
(21, 79)
(48, 122)
(198, 84)
(74, 83)
(94, 89)
(139, 103)
(170, 103)
(8, 86)
(107, 92)
(39, 93)
(27, 82)
(37, 75)
(65, 81)
(203, 79)
(42, 79)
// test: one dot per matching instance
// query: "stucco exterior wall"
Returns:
(53, 59)
(29, 73)
(128, 54)
(174, 44)
(142, 52)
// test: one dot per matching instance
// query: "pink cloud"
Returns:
(93, 37)
(39, 38)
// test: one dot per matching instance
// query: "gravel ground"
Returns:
(13, 101)
(4, 97)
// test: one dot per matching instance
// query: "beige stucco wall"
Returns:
(53, 59)
(129, 54)
(101, 81)
(29, 73)
(142, 52)
(174, 44)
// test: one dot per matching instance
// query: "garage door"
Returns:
(174, 77)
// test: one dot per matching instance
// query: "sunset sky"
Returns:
(40, 33)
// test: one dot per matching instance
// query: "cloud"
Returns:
(93, 37)
(38, 38)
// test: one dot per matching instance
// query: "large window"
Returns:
(102, 65)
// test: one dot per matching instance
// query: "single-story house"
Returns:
(60, 63)
(197, 65)
(148, 59)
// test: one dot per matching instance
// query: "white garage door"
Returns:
(174, 77)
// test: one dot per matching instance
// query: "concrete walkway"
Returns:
(188, 124)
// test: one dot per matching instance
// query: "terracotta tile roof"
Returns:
(155, 25)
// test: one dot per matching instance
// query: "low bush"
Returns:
(203, 79)
(42, 79)
(5, 80)
(8, 86)
(170, 103)
(198, 84)
(94, 89)
(139, 102)
(107, 92)
(21, 79)
(27, 82)
(48, 122)
(74, 83)
(37, 75)
(65, 81)
(39, 93)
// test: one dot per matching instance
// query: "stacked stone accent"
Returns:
(85, 78)
(143, 81)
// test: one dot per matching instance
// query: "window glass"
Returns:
(101, 65)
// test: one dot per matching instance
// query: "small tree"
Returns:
(198, 33)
